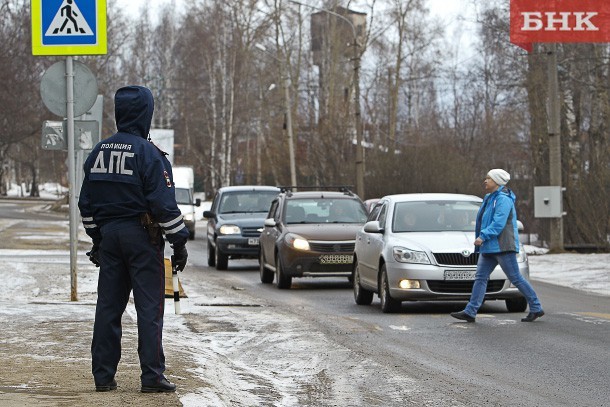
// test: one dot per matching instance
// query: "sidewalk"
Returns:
(45, 338)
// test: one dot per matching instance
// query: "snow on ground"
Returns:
(53, 190)
(230, 347)
(218, 362)
(587, 272)
(48, 190)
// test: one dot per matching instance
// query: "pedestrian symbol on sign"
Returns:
(69, 21)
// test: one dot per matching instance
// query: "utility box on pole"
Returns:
(548, 202)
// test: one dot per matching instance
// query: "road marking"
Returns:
(590, 317)
(596, 315)
(400, 328)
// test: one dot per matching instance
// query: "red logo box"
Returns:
(559, 21)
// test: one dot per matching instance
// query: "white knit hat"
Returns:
(499, 176)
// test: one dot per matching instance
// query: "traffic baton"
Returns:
(176, 285)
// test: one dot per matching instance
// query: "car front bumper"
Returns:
(238, 246)
(296, 263)
(433, 285)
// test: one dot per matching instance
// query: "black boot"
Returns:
(106, 387)
(164, 386)
(532, 316)
(463, 316)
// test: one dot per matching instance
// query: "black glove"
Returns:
(180, 256)
(94, 255)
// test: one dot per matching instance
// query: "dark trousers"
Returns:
(128, 260)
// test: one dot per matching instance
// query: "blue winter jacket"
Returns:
(497, 222)
(126, 175)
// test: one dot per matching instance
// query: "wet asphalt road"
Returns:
(561, 359)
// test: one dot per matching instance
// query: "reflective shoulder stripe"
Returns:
(88, 219)
(92, 226)
(171, 222)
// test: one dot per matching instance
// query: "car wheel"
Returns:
(362, 296)
(222, 260)
(388, 304)
(516, 304)
(211, 255)
(266, 274)
(282, 280)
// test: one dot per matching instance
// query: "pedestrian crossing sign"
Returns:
(68, 27)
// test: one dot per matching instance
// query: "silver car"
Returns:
(420, 247)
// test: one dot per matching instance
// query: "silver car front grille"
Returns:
(456, 259)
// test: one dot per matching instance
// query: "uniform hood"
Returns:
(133, 110)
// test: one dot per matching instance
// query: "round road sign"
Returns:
(53, 89)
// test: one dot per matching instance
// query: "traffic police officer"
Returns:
(127, 198)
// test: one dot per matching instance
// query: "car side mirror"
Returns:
(270, 222)
(373, 227)
(197, 202)
(209, 215)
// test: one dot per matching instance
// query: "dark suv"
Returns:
(310, 234)
(235, 222)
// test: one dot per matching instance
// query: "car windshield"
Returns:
(246, 201)
(183, 196)
(435, 216)
(324, 210)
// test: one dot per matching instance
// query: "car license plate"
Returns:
(336, 259)
(253, 241)
(460, 274)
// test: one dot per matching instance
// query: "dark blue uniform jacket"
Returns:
(126, 175)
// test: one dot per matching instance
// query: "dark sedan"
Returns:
(235, 222)
(310, 234)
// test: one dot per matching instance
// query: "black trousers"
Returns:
(129, 261)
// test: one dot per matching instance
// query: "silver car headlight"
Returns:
(297, 242)
(404, 255)
(229, 230)
(188, 216)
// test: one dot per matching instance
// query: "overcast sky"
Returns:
(445, 8)
(456, 14)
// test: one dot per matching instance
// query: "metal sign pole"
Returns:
(554, 112)
(46, 26)
(71, 177)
